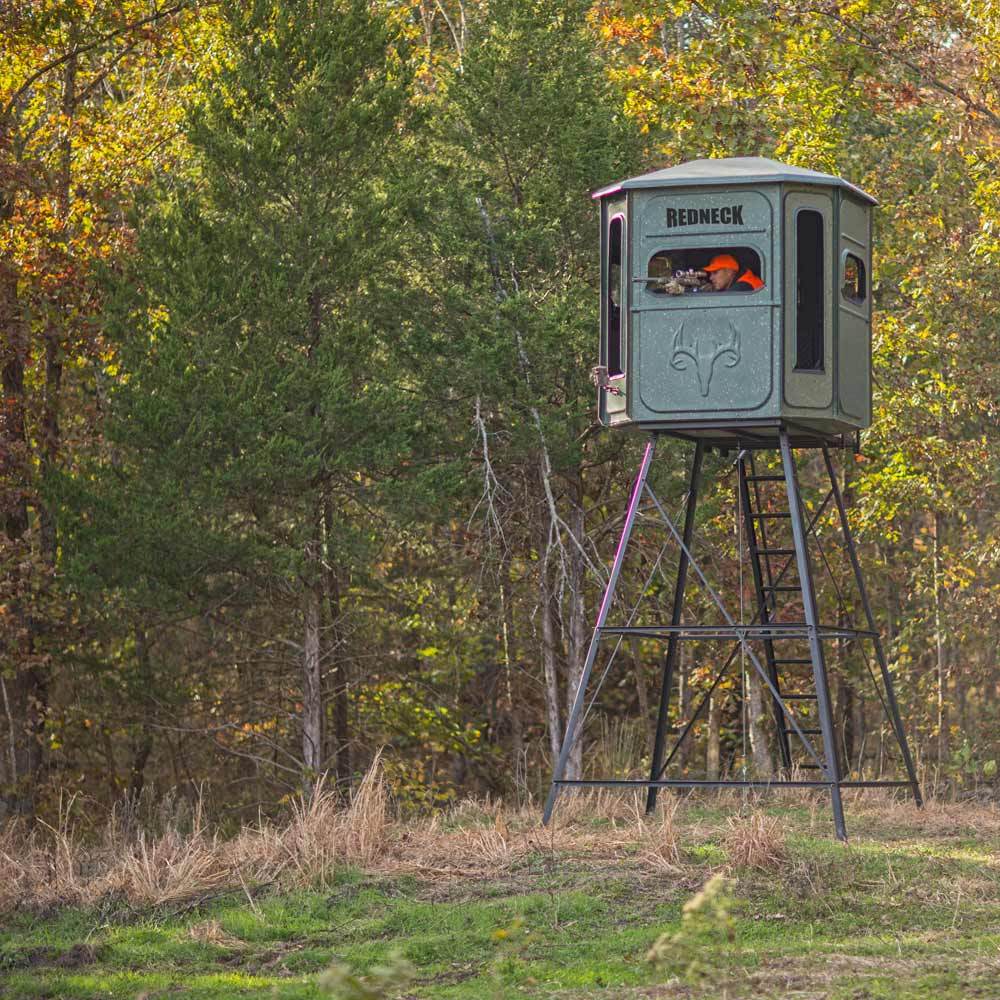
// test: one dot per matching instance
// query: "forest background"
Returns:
(298, 454)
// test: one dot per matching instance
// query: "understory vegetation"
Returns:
(714, 896)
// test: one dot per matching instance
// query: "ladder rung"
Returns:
(799, 659)
(765, 479)
(766, 514)
(805, 732)
(809, 767)
(782, 590)
(798, 697)
(776, 552)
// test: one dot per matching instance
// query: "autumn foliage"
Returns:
(297, 450)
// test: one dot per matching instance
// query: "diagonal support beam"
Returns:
(595, 639)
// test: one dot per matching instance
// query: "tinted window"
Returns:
(809, 311)
(616, 297)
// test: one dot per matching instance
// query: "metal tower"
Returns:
(787, 655)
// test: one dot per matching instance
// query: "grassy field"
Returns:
(485, 904)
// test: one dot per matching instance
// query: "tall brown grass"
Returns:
(52, 866)
(321, 833)
(476, 839)
(756, 841)
(660, 837)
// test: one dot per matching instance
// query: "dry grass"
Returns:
(942, 817)
(41, 866)
(211, 932)
(321, 833)
(475, 840)
(46, 867)
(660, 838)
(168, 869)
(22, 866)
(756, 841)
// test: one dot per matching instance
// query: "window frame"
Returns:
(817, 344)
(857, 303)
(619, 371)
(648, 280)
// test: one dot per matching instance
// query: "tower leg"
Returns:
(602, 615)
(670, 662)
(896, 720)
(832, 764)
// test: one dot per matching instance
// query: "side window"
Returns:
(809, 311)
(616, 296)
(705, 270)
(854, 288)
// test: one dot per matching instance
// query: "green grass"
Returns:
(909, 910)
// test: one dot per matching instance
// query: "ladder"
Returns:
(778, 590)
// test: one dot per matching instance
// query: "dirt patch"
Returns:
(78, 955)
(75, 957)
(815, 975)
(458, 975)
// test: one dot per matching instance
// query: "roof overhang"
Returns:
(730, 172)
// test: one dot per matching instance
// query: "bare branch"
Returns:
(492, 488)
(457, 35)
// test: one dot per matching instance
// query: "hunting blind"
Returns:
(777, 361)
(798, 348)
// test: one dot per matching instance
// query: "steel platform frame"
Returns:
(762, 628)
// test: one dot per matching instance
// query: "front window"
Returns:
(705, 270)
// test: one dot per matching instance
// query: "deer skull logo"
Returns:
(701, 353)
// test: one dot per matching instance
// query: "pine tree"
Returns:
(256, 408)
(530, 125)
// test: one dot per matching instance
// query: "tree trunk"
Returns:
(547, 614)
(23, 694)
(312, 695)
(941, 647)
(336, 652)
(858, 730)
(714, 724)
(641, 692)
(843, 696)
(844, 716)
(510, 653)
(142, 744)
(52, 399)
(24, 701)
(763, 764)
(684, 704)
(845, 712)
(576, 646)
